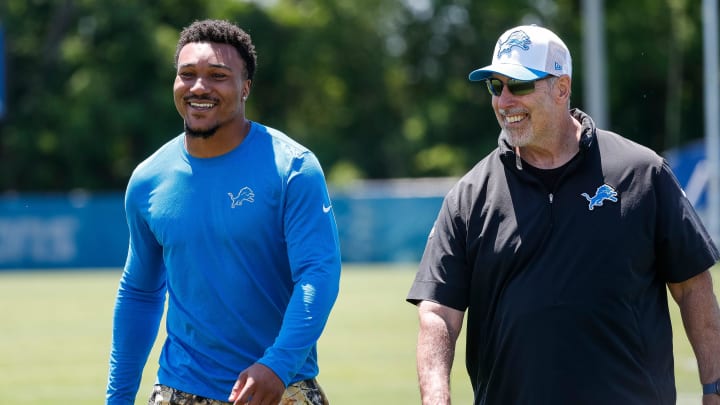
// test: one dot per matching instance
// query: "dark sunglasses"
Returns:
(516, 87)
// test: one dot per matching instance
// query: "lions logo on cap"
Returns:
(516, 39)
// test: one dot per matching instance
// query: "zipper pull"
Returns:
(550, 197)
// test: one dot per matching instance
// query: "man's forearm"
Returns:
(701, 319)
(136, 322)
(435, 353)
(439, 329)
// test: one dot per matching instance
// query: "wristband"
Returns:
(712, 388)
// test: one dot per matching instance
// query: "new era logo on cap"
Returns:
(527, 52)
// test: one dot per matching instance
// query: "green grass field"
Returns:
(56, 329)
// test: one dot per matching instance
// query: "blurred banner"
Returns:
(689, 163)
(60, 231)
(377, 221)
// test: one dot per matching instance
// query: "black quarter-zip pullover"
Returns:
(565, 288)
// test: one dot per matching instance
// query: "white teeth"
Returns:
(513, 118)
(514, 115)
(201, 105)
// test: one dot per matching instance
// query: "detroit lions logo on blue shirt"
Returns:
(517, 39)
(604, 192)
(245, 194)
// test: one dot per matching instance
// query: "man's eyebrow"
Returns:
(212, 65)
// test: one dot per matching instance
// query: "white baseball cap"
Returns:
(527, 52)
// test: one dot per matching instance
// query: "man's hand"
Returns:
(257, 385)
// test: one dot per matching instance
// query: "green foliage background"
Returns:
(376, 88)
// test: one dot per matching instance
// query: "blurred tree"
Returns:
(376, 88)
(655, 70)
(89, 90)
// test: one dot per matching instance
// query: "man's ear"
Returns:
(563, 87)
(246, 89)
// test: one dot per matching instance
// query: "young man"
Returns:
(560, 245)
(232, 220)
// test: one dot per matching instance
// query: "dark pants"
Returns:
(306, 392)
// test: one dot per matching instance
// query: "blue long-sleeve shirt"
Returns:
(245, 248)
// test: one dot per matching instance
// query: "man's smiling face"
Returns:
(209, 87)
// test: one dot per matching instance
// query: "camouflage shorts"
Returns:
(307, 392)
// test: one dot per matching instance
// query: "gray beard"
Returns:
(516, 141)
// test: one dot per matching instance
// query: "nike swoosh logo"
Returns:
(327, 209)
